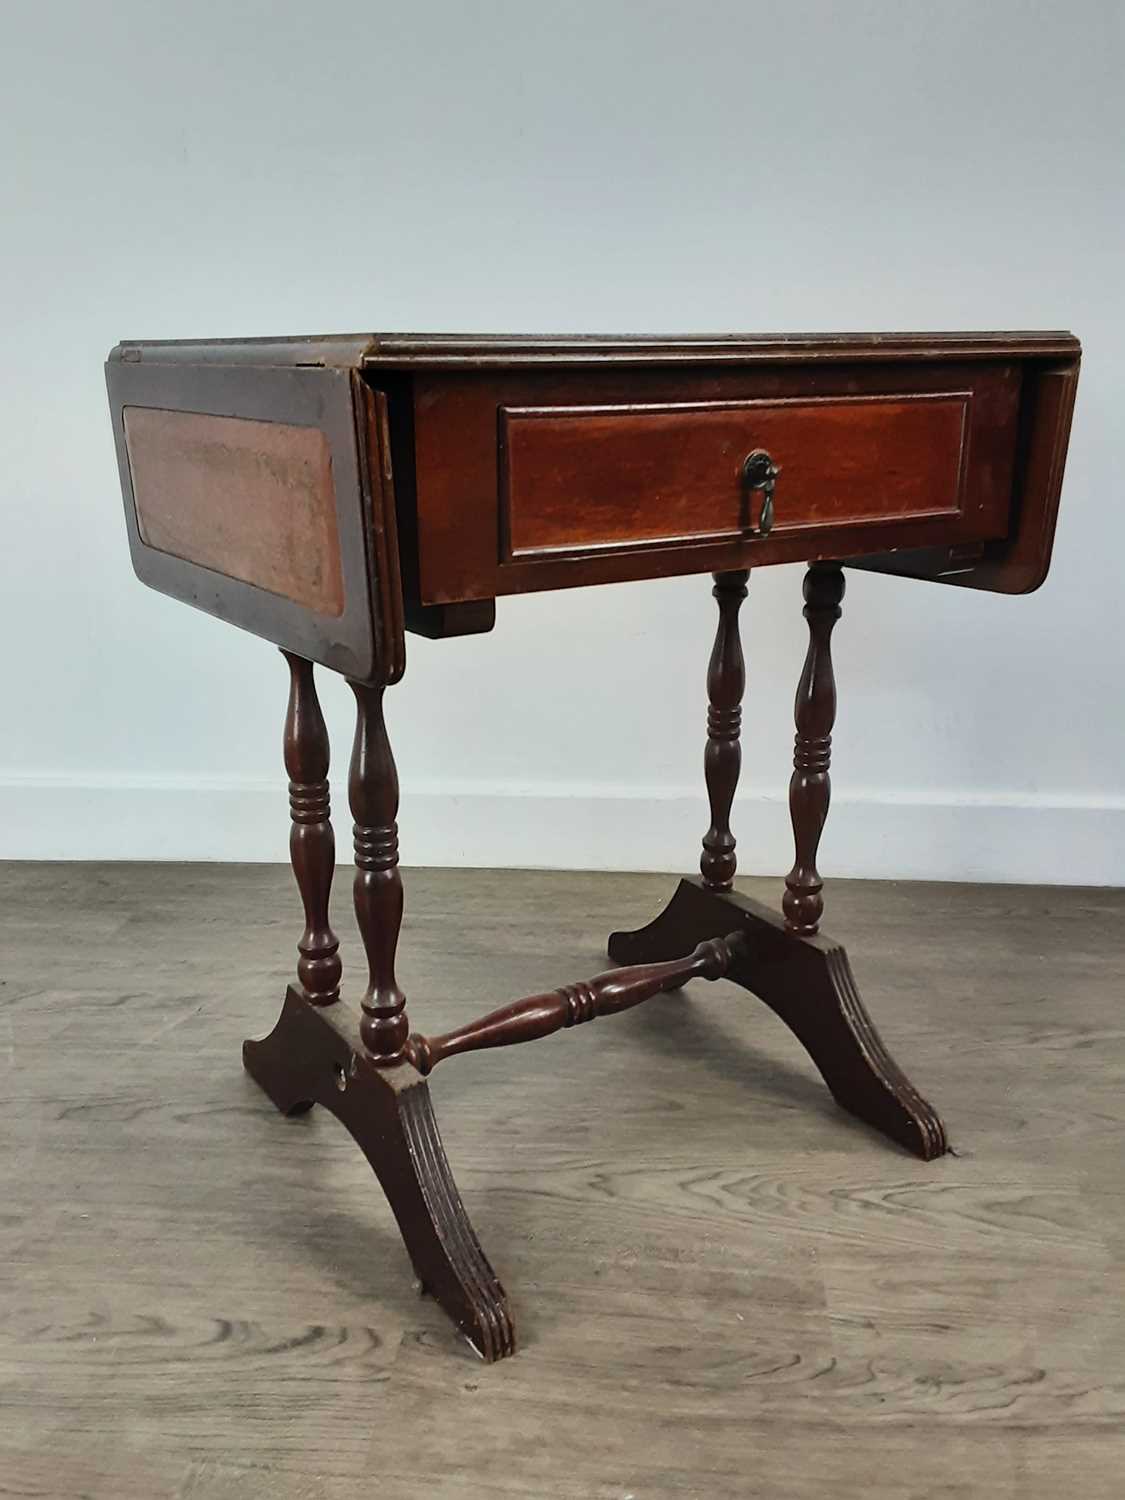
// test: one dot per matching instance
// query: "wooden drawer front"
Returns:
(577, 479)
(543, 479)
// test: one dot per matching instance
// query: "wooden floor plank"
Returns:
(724, 1286)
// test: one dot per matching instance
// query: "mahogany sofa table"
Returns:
(331, 494)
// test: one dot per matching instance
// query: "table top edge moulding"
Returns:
(471, 350)
(330, 494)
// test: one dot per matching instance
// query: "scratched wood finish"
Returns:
(251, 500)
(575, 478)
(724, 1285)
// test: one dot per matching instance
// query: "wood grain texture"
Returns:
(576, 478)
(250, 500)
(725, 1287)
(645, 481)
(250, 492)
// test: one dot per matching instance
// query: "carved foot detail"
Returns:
(314, 1055)
(808, 982)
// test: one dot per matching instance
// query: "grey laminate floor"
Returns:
(724, 1286)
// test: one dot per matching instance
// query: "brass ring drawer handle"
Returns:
(759, 472)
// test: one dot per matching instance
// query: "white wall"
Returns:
(174, 169)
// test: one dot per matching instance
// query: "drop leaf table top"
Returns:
(332, 494)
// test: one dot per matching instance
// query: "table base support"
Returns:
(808, 982)
(314, 1056)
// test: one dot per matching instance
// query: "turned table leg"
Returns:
(815, 714)
(373, 794)
(312, 846)
(722, 759)
(321, 1051)
(803, 977)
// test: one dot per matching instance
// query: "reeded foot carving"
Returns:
(316, 1056)
(808, 982)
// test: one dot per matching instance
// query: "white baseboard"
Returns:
(993, 837)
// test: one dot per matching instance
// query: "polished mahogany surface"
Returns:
(330, 494)
(576, 478)
(534, 479)
(451, 470)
